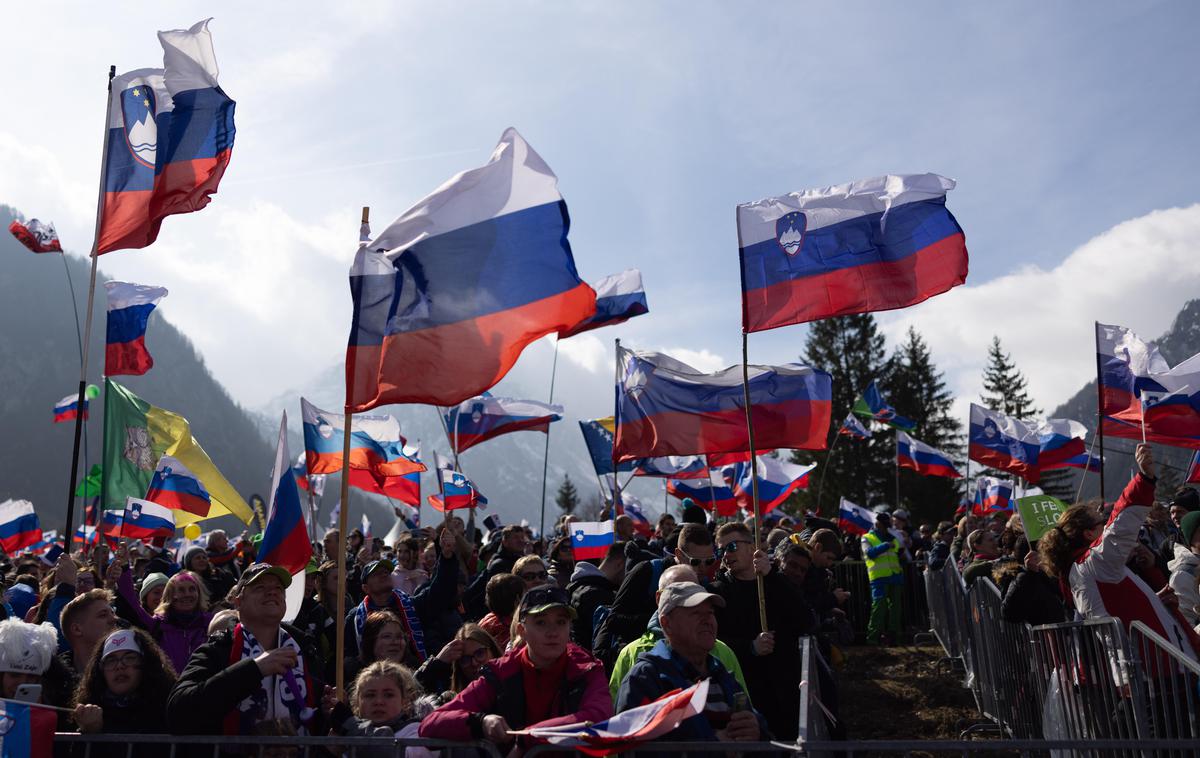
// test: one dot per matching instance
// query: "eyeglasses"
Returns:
(695, 562)
(128, 660)
(732, 547)
(531, 576)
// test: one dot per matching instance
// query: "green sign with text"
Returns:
(1038, 514)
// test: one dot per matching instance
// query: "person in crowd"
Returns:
(313, 618)
(983, 547)
(774, 537)
(654, 633)
(26, 655)
(329, 544)
(664, 526)
(1032, 597)
(218, 581)
(439, 595)
(385, 696)
(966, 525)
(254, 673)
(771, 659)
(939, 551)
(223, 621)
(532, 570)
(634, 603)
(594, 586)
(1185, 568)
(682, 658)
(222, 555)
(123, 691)
(383, 639)
(1184, 501)
(86, 620)
(562, 561)
(180, 622)
(514, 543)
(503, 594)
(1088, 556)
(1160, 536)
(459, 662)
(882, 556)
(408, 576)
(545, 680)
(623, 528)
(150, 591)
(1143, 563)
(903, 534)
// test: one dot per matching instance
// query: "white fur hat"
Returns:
(26, 648)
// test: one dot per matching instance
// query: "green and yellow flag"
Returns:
(136, 435)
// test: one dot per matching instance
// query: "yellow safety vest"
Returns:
(885, 564)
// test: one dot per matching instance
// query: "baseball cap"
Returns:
(122, 639)
(380, 565)
(685, 595)
(542, 599)
(257, 571)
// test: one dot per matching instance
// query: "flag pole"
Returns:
(616, 492)
(87, 332)
(340, 627)
(546, 453)
(1100, 407)
(896, 437)
(828, 458)
(762, 602)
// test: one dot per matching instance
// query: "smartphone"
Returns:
(28, 693)
(53, 553)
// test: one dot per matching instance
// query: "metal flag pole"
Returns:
(546, 453)
(1100, 408)
(896, 437)
(340, 627)
(87, 332)
(616, 424)
(762, 601)
(825, 469)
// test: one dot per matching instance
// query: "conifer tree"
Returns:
(567, 498)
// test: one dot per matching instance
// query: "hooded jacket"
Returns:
(589, 589)
(1185, 573)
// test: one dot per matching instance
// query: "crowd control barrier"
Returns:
(1170, 680)
(852, 577)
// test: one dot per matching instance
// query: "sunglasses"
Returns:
(697, 562)
(732, 547)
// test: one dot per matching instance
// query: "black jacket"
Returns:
(1033, 598)
(436, 597)
(588, 592)
(631, 610)
(474, 599)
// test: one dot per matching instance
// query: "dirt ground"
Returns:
(903, 692)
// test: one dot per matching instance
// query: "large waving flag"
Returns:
(485, 417)
(854, 428)
(68, 408)
(628, 729)
(174, 487)
(1137, 384)
(870, 404)
(1003, 443)
(854, 519)
(665, 407)
(144, 520)
(871, 245)
(170, 136)
(285, 542)
(457, 492)
(992, 495)
(1060, 440)
(598, 436)
(924, 459)
(777, 479)
(450, 294)
(136, 435)
(713, 494)
(39, 237)
(129, 308)
(672, 467)
(19, 525)
(378, 461)
(590, 539)
(619, 297)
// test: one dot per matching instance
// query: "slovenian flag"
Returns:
(1085, 461)
(854, 519)
(379, 460)
(450, 294)
(285, 541)
(169, 139)
(870, 404)
(619, 297)
(1138, 386)
(39, 237)
(591, 539)
(924, 459)
(672, 467)
(1003, 443)
(485, 417)
(777, 480)
(177, 488)
(457, 492)
(144, 520)
(68, 408)
(871, 245)
(44, 544)
(992, 495)
(714, 493)
(854, 428)
(129, 309)
(1060, 440)
(19, 525)
(665, 407)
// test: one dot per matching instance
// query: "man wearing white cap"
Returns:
(684, 657)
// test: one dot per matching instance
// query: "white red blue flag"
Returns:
(176, 487)
(672, 467)
(1003, 443)
(68, 408)
(379, 462)
(871, 245)
(852, 427)
(619, 297)
(144, 520)
(451, 293)
(591, 539)
(713, 493)
(19, 525)
(485, 417)
(924, 459)
(854, 519)
(777, 480)
(285, 540)
(1138, 386)
(1060, 440)
(992, 495)
(633, 508)
(129, 309)
(170, 136)
(457, 492)
(38, 236)
(665, 407)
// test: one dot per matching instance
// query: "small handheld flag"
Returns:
(457, 492)
(129, 309)
(38, 236)
(590, 539)
(852, 427)
(68, 408)
(992, 495)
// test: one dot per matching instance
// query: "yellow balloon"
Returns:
(191, 531)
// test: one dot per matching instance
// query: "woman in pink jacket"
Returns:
(545, 680)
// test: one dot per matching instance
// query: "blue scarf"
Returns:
(402, 605)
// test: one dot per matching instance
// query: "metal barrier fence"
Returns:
(852, 577)
(191, 746)
(1170, 680)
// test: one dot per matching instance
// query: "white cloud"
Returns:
(702, 360)
(586, 351)
(1137, 274)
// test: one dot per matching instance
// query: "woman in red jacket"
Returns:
(545, 680)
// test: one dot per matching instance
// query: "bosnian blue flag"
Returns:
(713, 494)
(854, 519)
(666, 407)
(992, 495)
(1138, 387)
(129, 309)
(924, 459)
(598, 436)
(144, 520)
(852, 427)
(619, 297)
(870, 404)
(1003, 443)
(285, 540)
(777, 479)
(447, 297)
(457, 492)
(871, 245)
(590, 539)
(485, 417)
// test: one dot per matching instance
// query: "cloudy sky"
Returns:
(1071, 128)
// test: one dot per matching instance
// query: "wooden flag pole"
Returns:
(546, 453)
(762, 600)
(87, 332)
(340, 639)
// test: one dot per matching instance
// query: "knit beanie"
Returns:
(157, 579)
(187, 556)
(1188, 526)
